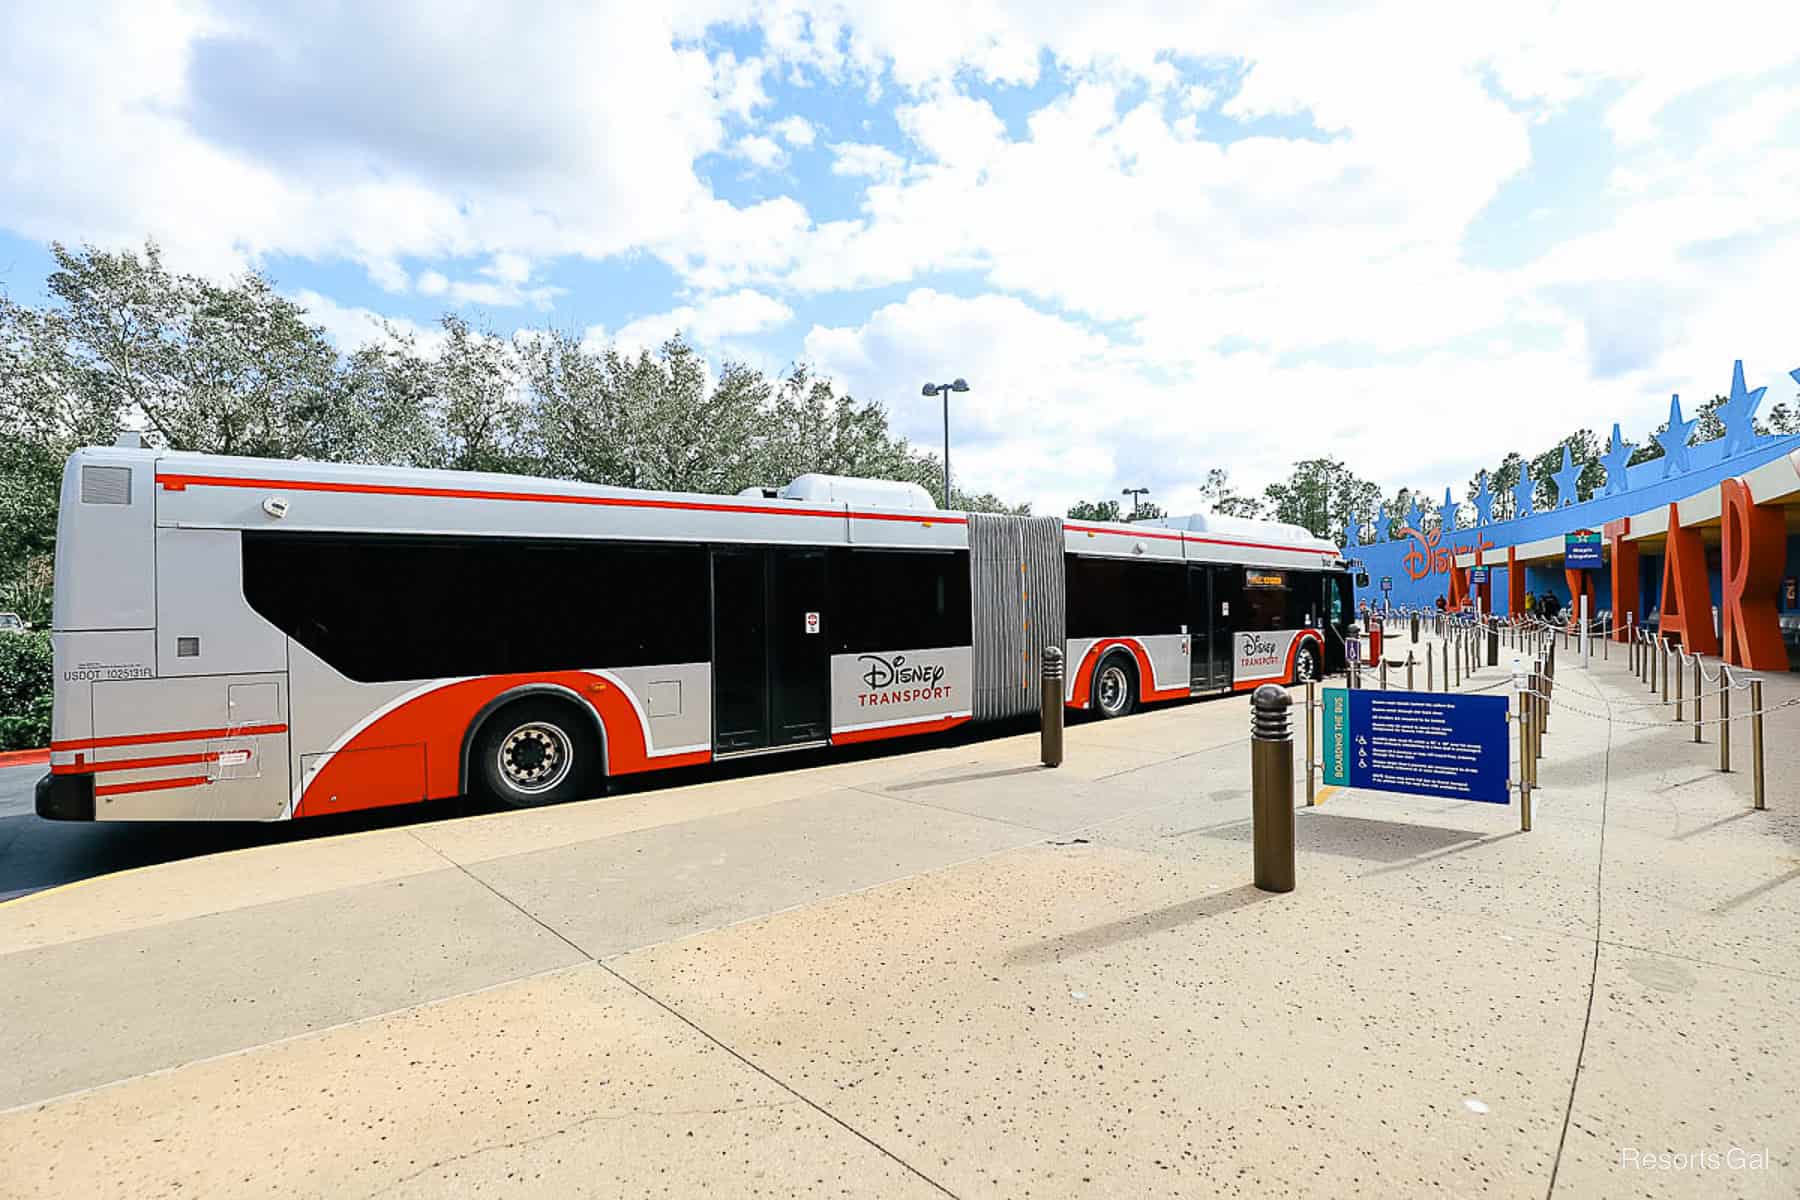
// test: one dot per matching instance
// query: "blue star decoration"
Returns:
(1413, 520)
(1350, 532)
(1618, 453)
(1447, 515)
(1523, 491)
(1381, 524)
(1674, 439)
(1739, 413)
(1484, 502)
(1566, 479)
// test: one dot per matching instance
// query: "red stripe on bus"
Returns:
(176, 483)
(152, 785)
(656, 763)
(1194, 537)
(133, 764)
(934, 725)
(180, 735)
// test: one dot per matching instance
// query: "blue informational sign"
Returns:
(1387, 583)
(1426, 743)
(1581, 550)
(1478, 575)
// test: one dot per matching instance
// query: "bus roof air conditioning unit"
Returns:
(875, 493)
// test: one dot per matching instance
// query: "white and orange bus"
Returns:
(259, 640)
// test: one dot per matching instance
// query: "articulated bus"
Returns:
(260, 640)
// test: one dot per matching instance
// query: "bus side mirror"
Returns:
(1362, 579)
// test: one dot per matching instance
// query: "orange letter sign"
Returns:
(1754, 548)
(1686, 599)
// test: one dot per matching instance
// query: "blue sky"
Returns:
(1156, 238)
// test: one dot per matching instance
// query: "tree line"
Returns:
(124, 343)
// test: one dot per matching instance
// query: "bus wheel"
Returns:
(1115, 686)
(1306, 664)
(537, 752)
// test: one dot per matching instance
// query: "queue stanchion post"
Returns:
(1724, 718)
(1756, 744)
(1680, 675)
(1312, 699)
(1699, 698)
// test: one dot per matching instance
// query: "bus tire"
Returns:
(1115, 686)
(1306, 662)
(537, 751)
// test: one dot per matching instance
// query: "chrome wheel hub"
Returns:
(1113, 687)
(535, 758)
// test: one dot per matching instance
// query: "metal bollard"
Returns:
(1384, 672)
(1312, 698)
(1679, 676)
(1724, 718)
(1430, 664)
(1665, 669)
(1699, 697)
(1756, 745)
(1415, 627)
(1272, 788)
(1050, 720)
(1493, 644)
(1409, 670)
(1524, 770)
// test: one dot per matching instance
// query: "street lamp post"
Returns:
(944, 390)
(1134, 493)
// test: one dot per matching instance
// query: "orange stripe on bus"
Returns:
(152, 785)
(178, 735)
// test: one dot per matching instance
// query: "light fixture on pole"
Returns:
(944, 390)
(1134, 493)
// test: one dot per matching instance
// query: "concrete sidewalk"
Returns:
(949, 971)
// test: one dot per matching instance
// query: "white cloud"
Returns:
(795, 130)
(712, 322)
(862, 159)
(351, 328)
(764, 152)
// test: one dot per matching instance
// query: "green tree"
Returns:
(1218, 496)
(1322, 495)
(1095, 510)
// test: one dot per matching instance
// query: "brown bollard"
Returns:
(1050, 720)
(1272, 788)
(1756, 743)
(1409, 670)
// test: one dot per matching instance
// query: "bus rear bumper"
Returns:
(65, 797)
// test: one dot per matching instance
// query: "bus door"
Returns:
(1199, 629)
(771, 666)
(1334, 617)
(1225, 607)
